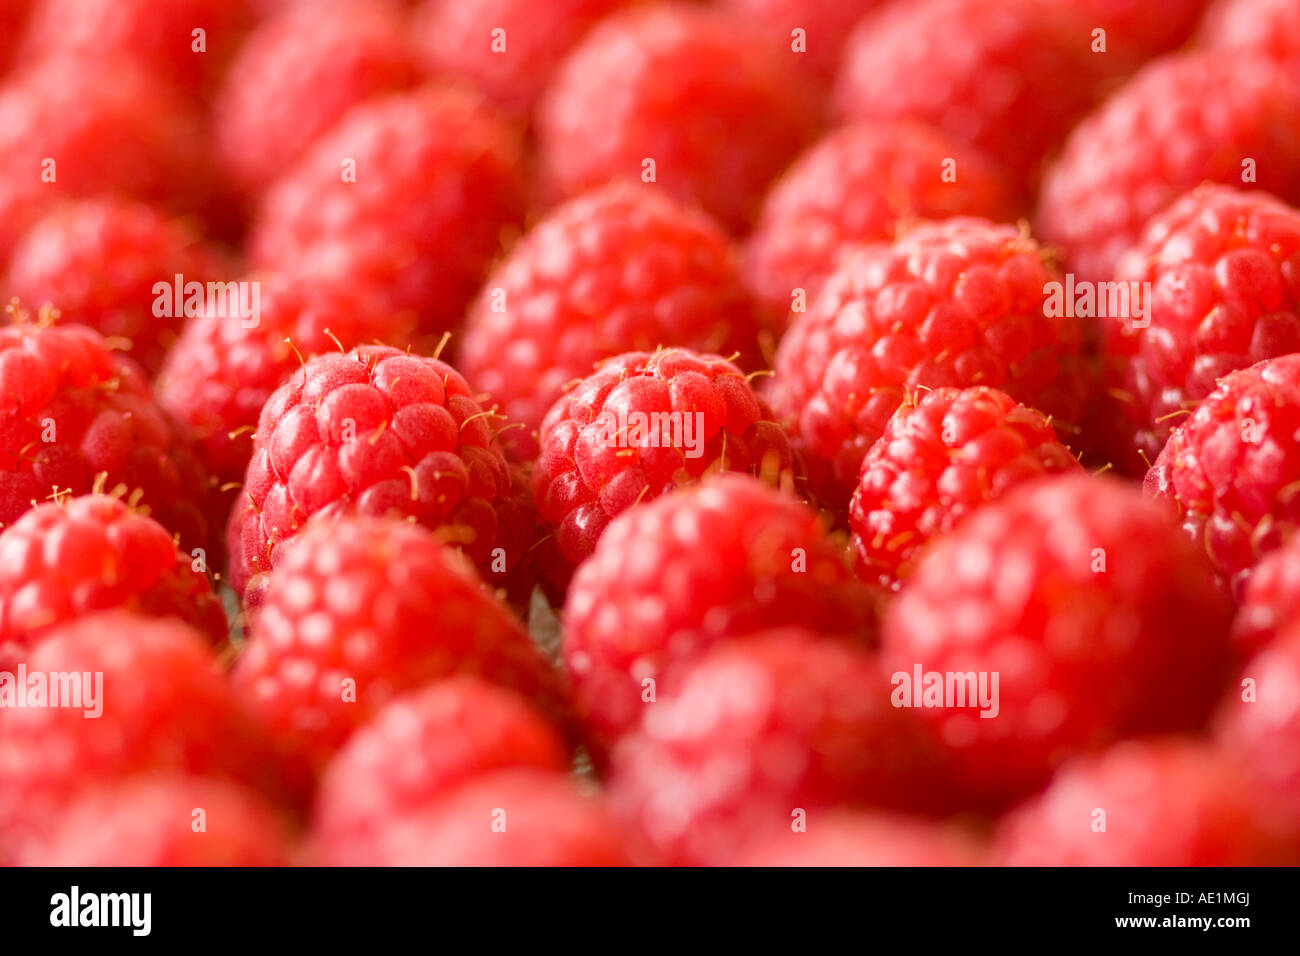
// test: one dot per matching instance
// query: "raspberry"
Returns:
(63, 561)
(153, 820)
(616, 270)
(377, 431)
(825, 24)
(407, 197)
(940, 458)
(1233, 468)
(165, 707)
(1224, 273)
(297, 74)
(717, 109)
(1135, 29)
(1263, 732)
(1269, 601)
(841, 838)
(1252, 28)
(858, 184)
(1099, 619)
(76, 416)
(1015, 84)
(1183, 119)
(956, 303)
(755, 730)
(515, 817)
(422, 745)
(459, 39)
(124, 134)
(1166, 803)
(219, 374)
(641, 425)
(97, 261)
(361, 609)
(677, 575)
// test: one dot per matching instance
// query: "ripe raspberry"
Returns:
(514, 817)
(1013, 87)
(826, 25)
(158, 36)
(165, 706)
(458, 39)
(1262, 733)
(1252, 28)
(602, 451)
(63, 561)
(858, 184)
(1270, 600)
(76, 416)
(152, 820)
(375, 431)
(616, 270)
(756, 729)
(1233, 468)
(840, 838)
(677, 575)
(1224, 269)
(1183, 119)
(956, 303)
(407, 197)
(121, 134)
(97, 261)
(1167, 803)
(940, 458)
(381, 604)
(1136, 30)
(420, 746)
(1099, 618)
(13, 15)
(716, 108)
(297, 74)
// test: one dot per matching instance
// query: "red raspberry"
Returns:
(1263, 731)
(755, 730)
(420, 746)
(1136, 30)
(840, 838)
(1099, 619)
(602, 452)
(159, 36)
(459, 39)
(97, 261)
(62, 561)
(717, 109)
(1233, 468)
(76, 416)
(1166, 803)
(941, 457)
(616, 270)
(956, 303)
(825, 24)
(1015, 84)
(675, 576)
(297, 74)
(377, 431)
(1270, 600)
(407, 197)
(153, 821)
(13, 14)
(1183, 119)
(165, 706)
(361, 609)
(1252, 28)
(122, 135)
(514, 817)
(1224, 273)
(858, 184)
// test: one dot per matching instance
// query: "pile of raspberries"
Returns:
(598, 432)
